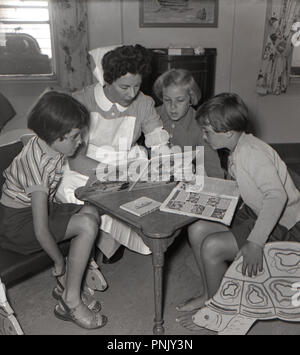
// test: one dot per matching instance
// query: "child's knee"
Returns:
(197, 231)
(88, 224)
(194, 230)
(212, 247)
(92, 210)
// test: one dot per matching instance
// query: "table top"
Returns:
(156, 225)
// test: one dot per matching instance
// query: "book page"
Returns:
(128, 170)
(175, 166)
(97, 187)
(207, 204)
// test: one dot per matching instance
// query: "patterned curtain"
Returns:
(273, 76)
(70, 23)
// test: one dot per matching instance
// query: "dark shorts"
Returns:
(244, 221)
(17, 231)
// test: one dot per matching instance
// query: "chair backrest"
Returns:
(7, 110)
(7, 154)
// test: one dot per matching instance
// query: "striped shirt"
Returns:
(36, 168)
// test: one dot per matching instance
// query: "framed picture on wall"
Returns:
(178, 13)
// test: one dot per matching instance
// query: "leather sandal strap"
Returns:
(58, 276)
(88, 322)
(54, 272)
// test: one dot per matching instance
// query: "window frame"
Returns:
(48, 78)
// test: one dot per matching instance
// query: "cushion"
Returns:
(6, 109)
(15, 135)
(14, 267)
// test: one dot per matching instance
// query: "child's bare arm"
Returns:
(39, 205)
(252, 258)
(83, 164)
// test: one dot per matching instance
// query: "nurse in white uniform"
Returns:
(120, 112)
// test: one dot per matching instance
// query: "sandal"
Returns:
(93, 278)
(87, 299)
(64, 312)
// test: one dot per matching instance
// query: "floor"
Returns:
(128, 301)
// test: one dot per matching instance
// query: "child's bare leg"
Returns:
(83, 228)
(197, 233)
(92, 210)
(217, 251)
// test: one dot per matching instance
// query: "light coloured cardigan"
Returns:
(265, 186)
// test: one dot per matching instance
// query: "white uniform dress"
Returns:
(110, 124)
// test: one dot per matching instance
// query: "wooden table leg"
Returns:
(158, 247)
(158, 263)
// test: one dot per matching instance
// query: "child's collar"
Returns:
(47, 149)
(183, 121)
(240, 139)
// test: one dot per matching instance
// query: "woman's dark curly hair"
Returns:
(126, 59)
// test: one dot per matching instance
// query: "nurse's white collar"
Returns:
(103, 102)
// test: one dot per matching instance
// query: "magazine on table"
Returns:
(215, 201)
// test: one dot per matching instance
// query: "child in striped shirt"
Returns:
(31, 220)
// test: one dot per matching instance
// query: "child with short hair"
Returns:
(179, 92)
(271, 202)
(32, 221)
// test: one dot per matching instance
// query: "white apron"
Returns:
(109, 133)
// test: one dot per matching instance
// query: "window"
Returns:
(26, 40)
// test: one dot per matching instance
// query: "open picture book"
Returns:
(99, 187)
(144, 173)
(175, 166)
(215, 201)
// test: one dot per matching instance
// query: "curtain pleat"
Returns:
(70, 21)
(273, 77)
